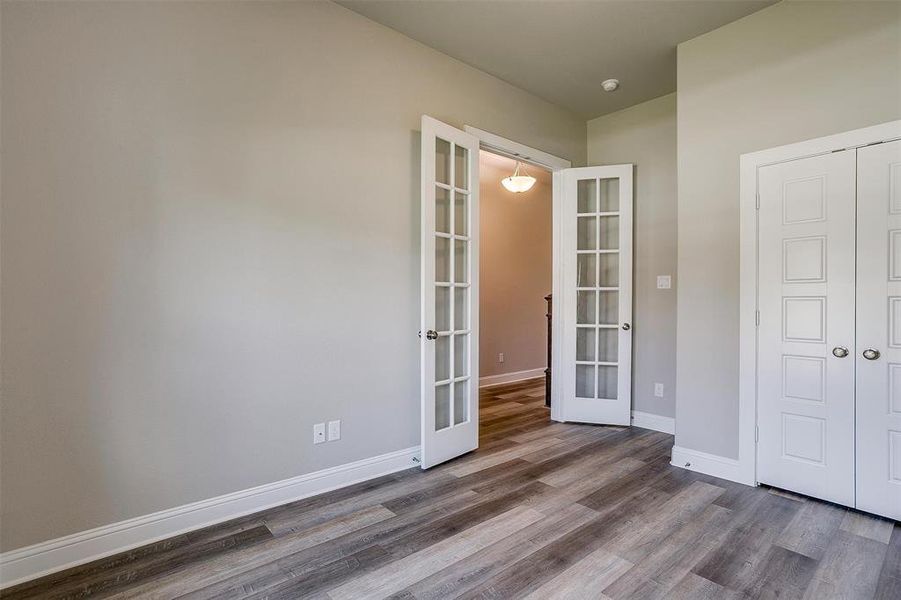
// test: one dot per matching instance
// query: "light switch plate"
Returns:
(664, 282)
(658, 390)
(318, 433)
(334, 430)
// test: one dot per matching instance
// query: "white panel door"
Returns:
(596, 307)
(878, 353)
(449, 292)
(806, 340)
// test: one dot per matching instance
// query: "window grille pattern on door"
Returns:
(453, 290)
(597, 288)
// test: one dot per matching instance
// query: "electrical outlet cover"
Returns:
(318, 433)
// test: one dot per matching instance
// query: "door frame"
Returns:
(497, 144)
(745, 468)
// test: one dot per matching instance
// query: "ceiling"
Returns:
(561, 50)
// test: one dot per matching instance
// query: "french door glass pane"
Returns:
(597, 234)
(442, 259)
(442, 308)
(608, 270)
(607, 382)
(461, 168)
(585, 307)
(460, 220)
(587, 233)
(442, 210)
(608, 308)
(461, 402)
(608, 345)
(442, 406)
(460, 264)
(609, 195)
(587, 195)
(442, 358)
(461, 352)
(585, 381)
(609, 233)
(585, 276)
(585, 343)
(442, 161)
(461, 316)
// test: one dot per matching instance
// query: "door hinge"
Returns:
(757, 318)
(756, 433)
(757, 205)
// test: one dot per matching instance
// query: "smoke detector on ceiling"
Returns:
(610, 85)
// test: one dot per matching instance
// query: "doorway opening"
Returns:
(516, 278)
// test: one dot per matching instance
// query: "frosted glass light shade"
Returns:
(518, 183)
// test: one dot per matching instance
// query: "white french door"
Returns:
(596, 306)
(449, 292)
(878, 356)
(805, 401)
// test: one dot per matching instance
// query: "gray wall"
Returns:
(645, 135)
(210, 241)
(788, 73)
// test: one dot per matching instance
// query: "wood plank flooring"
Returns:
(541, 511)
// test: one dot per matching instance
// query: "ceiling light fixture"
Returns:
(518, 183)
(610, 85)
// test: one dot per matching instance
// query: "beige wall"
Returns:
(645, 135)
(792, 72)
(210, 241)
(515, 269)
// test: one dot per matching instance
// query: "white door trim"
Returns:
(501, 145)
(745, 470)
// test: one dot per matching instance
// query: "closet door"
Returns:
(806, 346)
(878, 354)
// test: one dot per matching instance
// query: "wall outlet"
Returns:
(664, 282)
(658, 390)
(318, 433)
(500, 357)
(334, 430)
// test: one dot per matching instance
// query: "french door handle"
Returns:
(871, 354)
(626, 327)
(839, 352)
(431, 334)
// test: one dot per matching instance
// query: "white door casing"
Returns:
(805, 401)
(595, 309)
(449, 292)
(878, 356)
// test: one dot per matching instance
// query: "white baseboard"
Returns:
(62, 553)
(511, 377)
(709, 464)
(655, 422)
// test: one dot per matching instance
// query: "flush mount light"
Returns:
(518, 182)
(610, 85)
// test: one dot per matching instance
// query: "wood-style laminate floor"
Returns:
(541, 510)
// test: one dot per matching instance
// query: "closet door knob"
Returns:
(431, 334)
(839, 352)
(626, 327)
(871, 354)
